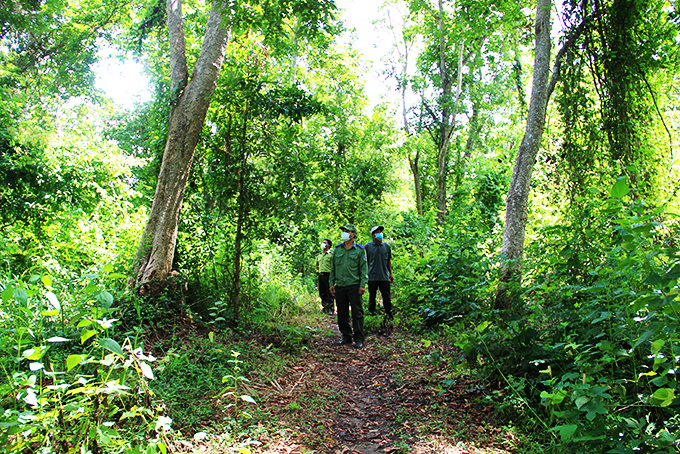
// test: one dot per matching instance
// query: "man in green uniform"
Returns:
(323, 269)
(349, 274)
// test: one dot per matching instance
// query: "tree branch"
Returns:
(573, 35)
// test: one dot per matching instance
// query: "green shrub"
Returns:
(68, 382)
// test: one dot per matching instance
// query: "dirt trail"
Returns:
(366, 417)
(376, 406)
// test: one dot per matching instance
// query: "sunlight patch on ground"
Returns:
(442, 445)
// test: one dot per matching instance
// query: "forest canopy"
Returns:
(525, 166)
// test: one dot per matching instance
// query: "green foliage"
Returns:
(234, 382)
(611, 113)
(444, 276)
(596, 344)
(67, 382)
(288, 152)
(47, 50)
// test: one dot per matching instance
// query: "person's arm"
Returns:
(363, 272)
(389, 268)
(331, 277)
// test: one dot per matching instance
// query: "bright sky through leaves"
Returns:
(125, 83)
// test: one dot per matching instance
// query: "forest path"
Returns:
(382, 400)
(368, 411)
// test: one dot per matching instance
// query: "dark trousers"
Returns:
(324, 293)
(346, 297)
(384, 287)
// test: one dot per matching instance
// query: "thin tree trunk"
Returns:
(243, 210)
(445, 127)
(414, 162)
(448, 118)
(415, 170)
(238, 247)
(473, 133)
(518, 193)
(157, 246)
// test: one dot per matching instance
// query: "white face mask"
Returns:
(323, 246)
(344, 236)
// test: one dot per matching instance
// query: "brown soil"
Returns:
(382, 398)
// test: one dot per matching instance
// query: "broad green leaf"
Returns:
(665, 397)
(581, 401)
(7, 294)
(211, 336)
(673, 273)
(653, 278)
(644, 337)
(73, 360)
(108, 268)
(620, 189)
(47, 281)
(86, 334)
(593, 408)
(163, 448)
(111, 345)
(556, 398)
(20, 295)
(51, 313)
(248, 399)
(117, 276)
(52, 298)
(84, 322)
(566, 431)
(660, 381)
(34, 354)
(657, 345)
(482, 326)
(104, 298)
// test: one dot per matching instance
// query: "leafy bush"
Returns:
(443, 279)
(68, 382)
(597, 344)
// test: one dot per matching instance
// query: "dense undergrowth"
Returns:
(589, 354)
(585, 361)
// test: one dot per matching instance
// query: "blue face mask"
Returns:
(379, 236)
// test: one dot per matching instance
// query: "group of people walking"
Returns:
(344, 273)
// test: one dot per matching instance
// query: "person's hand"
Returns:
(391, 278)
(362, 290)
(332, 289)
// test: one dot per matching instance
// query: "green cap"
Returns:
(349, 227)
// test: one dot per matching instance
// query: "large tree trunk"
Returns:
(518, 193)
(157, 246)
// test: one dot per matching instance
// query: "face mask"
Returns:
(344, 236)
(323, 246)
(379, 236)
